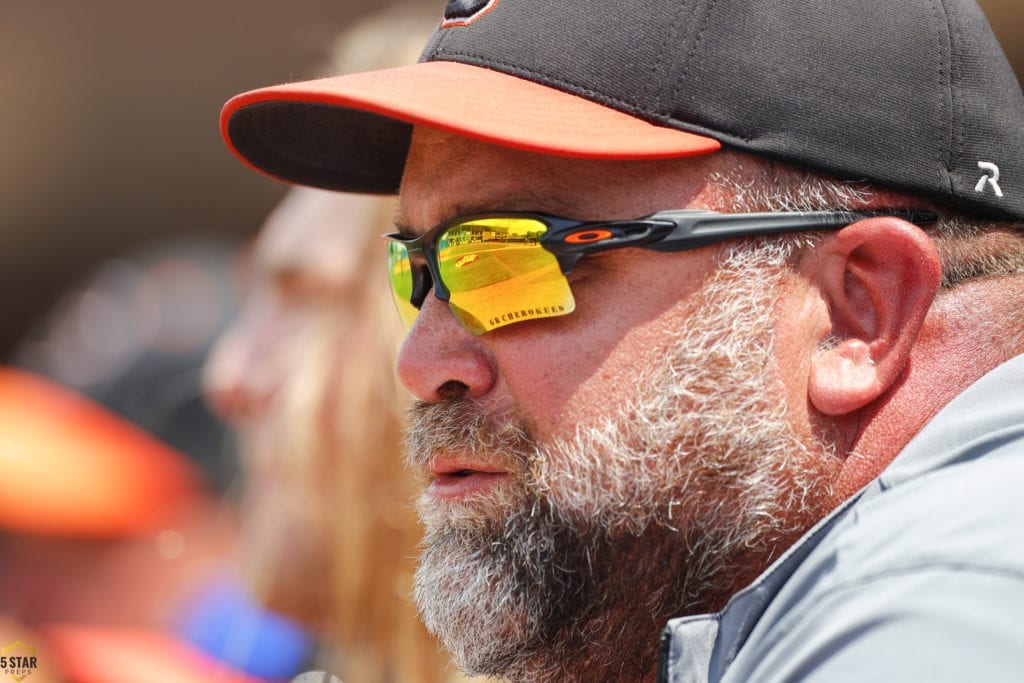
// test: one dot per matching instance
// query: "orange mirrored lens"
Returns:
(498, 273)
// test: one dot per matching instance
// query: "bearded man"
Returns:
(715, 331)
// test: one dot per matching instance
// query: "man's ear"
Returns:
(878, 278)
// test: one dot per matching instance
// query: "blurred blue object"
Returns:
(227, 624)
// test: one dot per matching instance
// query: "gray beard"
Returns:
(570, 572)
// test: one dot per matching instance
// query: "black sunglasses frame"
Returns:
(664, 231)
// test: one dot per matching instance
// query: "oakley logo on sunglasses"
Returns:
(588, 236)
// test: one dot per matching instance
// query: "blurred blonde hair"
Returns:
(342, 507)
(335, 547)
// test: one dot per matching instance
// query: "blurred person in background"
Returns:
(132, 334)
(110, 541)
(305, 375)
(131, 338)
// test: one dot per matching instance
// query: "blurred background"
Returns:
(234, 553)
(124, 224)
(108, 128)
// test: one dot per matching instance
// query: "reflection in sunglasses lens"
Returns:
(498, 273)
(495, 270)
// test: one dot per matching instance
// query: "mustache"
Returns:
(468, 428)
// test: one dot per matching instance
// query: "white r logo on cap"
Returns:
(991, 177)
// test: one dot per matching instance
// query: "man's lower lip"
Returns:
(462, 485)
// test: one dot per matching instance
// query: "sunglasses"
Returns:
(503, 268)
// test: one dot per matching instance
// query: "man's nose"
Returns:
(440, 360)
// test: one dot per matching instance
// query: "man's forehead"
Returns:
(448, 176)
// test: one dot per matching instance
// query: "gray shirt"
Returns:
(919, 577)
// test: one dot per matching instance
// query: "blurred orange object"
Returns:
(70, 467)
(90, 654)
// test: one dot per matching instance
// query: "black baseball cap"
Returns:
(916, 95)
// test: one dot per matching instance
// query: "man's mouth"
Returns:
(452, 478)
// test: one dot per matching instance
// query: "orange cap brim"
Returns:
(265, 128)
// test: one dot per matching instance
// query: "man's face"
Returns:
(594, 474)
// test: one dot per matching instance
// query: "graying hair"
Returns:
(970, 247)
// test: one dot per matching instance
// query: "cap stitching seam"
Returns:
(696, 44)
(442, 38)
(956, 102)
(659, 63)
(946, 142)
